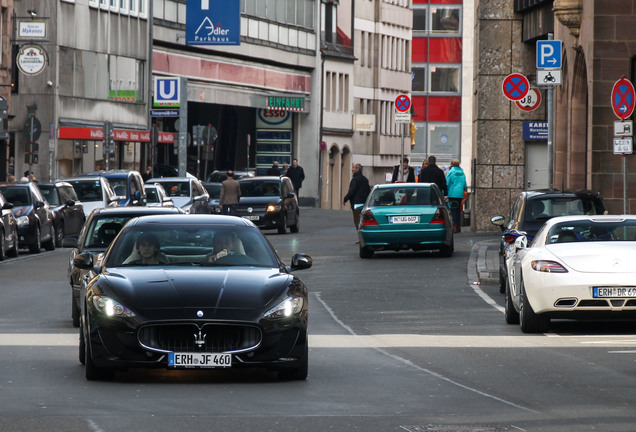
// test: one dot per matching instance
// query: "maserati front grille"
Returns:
(192, 337)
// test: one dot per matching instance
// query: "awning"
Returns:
(97, 134)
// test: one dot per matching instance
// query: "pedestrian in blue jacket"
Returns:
(456, 183)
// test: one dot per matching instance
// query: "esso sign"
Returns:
(268, 113)
(270, 118)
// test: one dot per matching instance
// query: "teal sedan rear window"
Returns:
(404, 196)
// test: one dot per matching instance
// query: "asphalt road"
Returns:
(401, 342)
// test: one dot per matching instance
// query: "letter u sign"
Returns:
(166, 91)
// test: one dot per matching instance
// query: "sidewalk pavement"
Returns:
(488, 262)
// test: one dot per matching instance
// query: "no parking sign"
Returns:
(515, 86)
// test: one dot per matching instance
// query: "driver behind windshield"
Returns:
(225, 243)
(147, 251)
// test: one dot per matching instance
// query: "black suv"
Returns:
(269, 202)
(530, 211)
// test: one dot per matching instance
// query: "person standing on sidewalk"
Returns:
(296, 174)
(358, 191)
(230, 194)
(456, 181)
(407, 171)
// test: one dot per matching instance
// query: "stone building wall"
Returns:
(498, 143)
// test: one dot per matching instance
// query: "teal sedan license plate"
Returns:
(404, 219)
(199, 360)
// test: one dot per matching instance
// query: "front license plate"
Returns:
(404, 219)
(251, 217)
(199, 360)
(606, 292)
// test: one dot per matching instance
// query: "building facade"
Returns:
(597, 50)
(257, 95)
(78, 65)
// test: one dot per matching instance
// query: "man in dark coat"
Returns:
(296, 174)
(274, 170)
(359, 190)
(409, 172)
(434, 174)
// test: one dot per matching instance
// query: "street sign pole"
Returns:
(550, 109)
(183, 127)
(550, 106)
(403, 107)
(31, 140)
(400, 165)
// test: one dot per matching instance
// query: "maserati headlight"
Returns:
(288, 307)
(22, 220)
(111, 308)
(273, 208)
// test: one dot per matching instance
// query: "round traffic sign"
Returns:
(323, 146)
(531, 101)
(623, 98)
(515, 86)
(403, 103)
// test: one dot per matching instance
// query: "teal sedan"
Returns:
(403, 216)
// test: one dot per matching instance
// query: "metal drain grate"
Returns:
(455, 428)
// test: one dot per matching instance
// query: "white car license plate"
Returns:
(606, 292)
(404, 219)
(199, 360)
(251, 217)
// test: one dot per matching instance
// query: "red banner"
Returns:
(97, 134)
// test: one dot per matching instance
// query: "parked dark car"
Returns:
(98, 232)
(186, 192)
(33, 215)
(211, 293)
(126, 183)
(214, 190)
(218, 176)
(269, 202)
(68, 210)
(8, 230)
(530, 211)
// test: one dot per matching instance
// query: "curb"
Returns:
(488, 262)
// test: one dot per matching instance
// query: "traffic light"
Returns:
(109, 139)
(197, 135)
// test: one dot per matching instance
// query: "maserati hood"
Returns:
(205, 288)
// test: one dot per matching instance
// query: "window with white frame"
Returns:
(444, 79)
(444, 20)
(418, 79)
(292, 12)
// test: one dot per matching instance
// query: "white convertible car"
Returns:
(577, 267)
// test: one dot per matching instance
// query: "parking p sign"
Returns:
(548, 54)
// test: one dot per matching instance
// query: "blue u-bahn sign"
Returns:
(213, 22)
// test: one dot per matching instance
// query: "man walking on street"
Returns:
(296, 174)
(358, 191)
(434, 174)
(230, 194)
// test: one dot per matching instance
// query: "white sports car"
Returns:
(576, 267)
